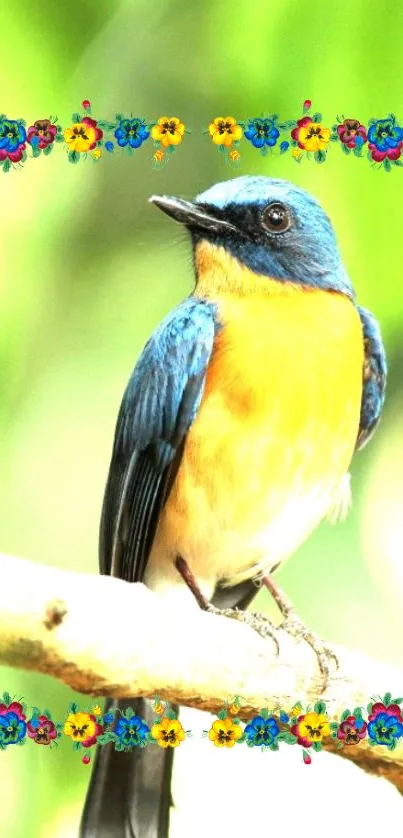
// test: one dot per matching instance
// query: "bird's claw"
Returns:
(294, 626)
(258, 622)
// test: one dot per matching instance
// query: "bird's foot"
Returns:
(258, 622)
(293, 625)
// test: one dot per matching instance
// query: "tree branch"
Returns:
(105, 637)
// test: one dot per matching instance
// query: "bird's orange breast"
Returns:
(275, 432)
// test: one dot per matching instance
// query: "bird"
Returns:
(234, 438)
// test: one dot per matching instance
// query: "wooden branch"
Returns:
(105, 637)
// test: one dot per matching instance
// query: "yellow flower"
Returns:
(96, 153)
(314, 727)
(225, 733)
(314, 137)
(97, 710)
(296, 152)
(296, 710)
(79, 137)
(158, 706)
(225, 130)
(79, 726)
(234, 155)
(159, 156)
(168, 733)
(168, 131)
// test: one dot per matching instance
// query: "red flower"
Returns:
(15, 706)
(390, 710)
(307, 104)
(92, 124)
(43, 732)
(307, 759)
(392, 153)
(86, 759)
(92, 740)
(348, 132)
(306, 120)
(44, 130)
(86, 104)
(349, 733)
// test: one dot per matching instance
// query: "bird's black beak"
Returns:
(192, 215)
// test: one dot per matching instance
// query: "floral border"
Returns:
(379, 140)
(379, 724)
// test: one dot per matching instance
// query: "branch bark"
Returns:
(105, 637)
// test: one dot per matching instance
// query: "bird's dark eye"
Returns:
(276, 218)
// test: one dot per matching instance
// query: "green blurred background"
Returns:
(88, 269)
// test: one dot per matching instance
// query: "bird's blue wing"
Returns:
(374, 377)
(160, 403)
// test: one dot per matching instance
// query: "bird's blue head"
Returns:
(269, 226)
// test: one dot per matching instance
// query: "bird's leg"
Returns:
(258, 622)
(294, 626)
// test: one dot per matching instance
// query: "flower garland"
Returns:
(380, 140)
(380, 724)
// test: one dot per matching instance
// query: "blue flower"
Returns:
(262, 731)
(12, 134)
(12, 729)
(131, 731)
(109, 146)
(284, 717)
(385, 134)
(384, 729)
(132, 132)
(262, 132)
(284, 145)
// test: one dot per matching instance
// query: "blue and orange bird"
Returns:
(235, 436)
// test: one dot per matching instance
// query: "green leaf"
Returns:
(320, 708)
(222, 715)
(357, 152)
(357, 712)
(317, 117)
(388, 168)
(398, 700)
(388, 696)
(47, 150)
(334, 138)
(6, 168)
(73, 157)
(345, 149)
(59, 138)
(36, 152)
(77, 746)
(317, 746)
(264, 151)
(76, 117)
(392, 745)
(286, 736)
(345, 715)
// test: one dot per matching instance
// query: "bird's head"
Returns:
(263, 226)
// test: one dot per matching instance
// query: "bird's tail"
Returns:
(129, 795)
